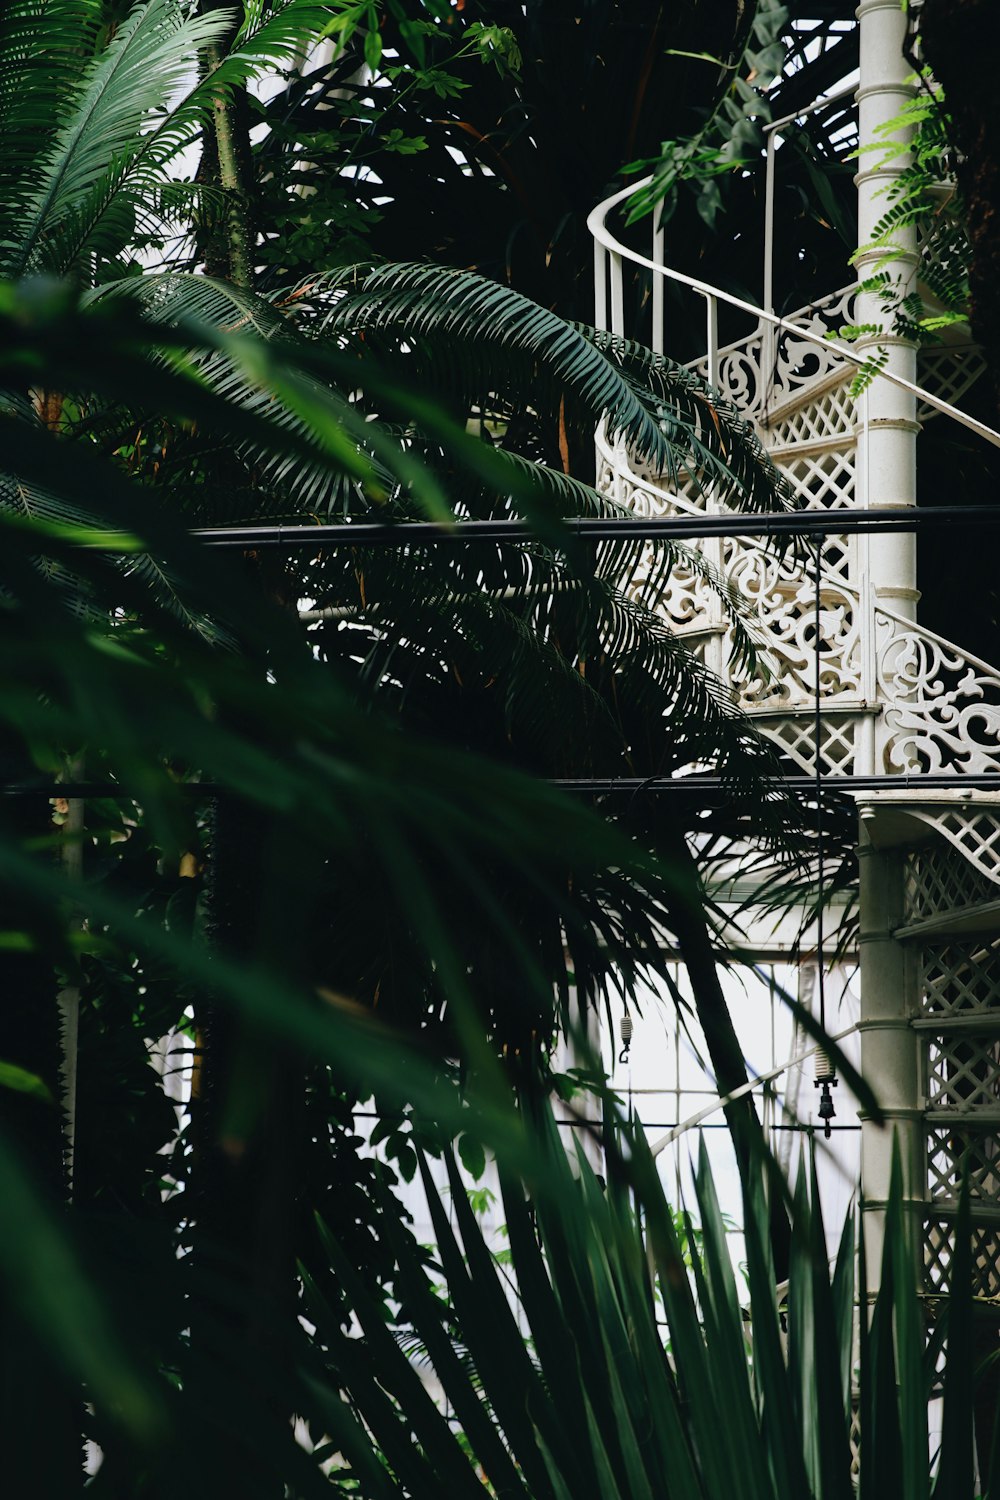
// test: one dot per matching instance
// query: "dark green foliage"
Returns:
(371, 898)
(640, 1377)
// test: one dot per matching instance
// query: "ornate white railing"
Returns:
(611, 254)
(894, 697)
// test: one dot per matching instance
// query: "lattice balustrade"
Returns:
(952, 1150)
(959, 988)
(938, 1248)
(960, 978)
(948, 373)
(942, 706)
(975, 833)
(795, 736)
(962, 1073)
(822, 480)
(938, 879)
(827, 417)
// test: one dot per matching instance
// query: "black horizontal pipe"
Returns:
(987, 781)
(604, 528)
(694, 787)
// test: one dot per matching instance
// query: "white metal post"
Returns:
(767, 339)
(712, 340)
(659, 330)
(600, 285)
(890, 1056)
(886, 463)
(887, 441)
(617, 296)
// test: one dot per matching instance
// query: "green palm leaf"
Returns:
(99, 138)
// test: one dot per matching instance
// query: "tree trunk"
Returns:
(226, 238)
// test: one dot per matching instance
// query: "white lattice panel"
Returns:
(795, 737)
(974, 832)
(952, 1148)
(827, 416)
(938, 1253)
(960, 978)
(822, 480)
(938, 879)
(949, 374)
(962, 1073)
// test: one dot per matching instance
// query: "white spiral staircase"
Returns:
(894, 699)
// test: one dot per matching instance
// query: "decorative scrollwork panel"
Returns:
(942, 707)
(782, 602)
(767, 369)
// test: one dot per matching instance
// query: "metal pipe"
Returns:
(704, 786)
(617, 296)
(767, 333)
(599, 528)
(600, 286)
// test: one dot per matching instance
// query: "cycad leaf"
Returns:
(148, 59)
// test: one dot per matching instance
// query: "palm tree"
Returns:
(370, 857)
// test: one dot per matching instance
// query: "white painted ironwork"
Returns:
(893, 696)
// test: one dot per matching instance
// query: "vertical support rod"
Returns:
(617, 296)
(768, 331)
(659, 329)
(865, 755)
(712, 339)
(600, 286)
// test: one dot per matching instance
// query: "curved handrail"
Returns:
(761, 1081)
(603, 237)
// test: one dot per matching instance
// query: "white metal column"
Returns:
(887, 468)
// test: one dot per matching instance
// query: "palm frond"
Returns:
(45, 46)
(100, 133)
(709, 440)
(481, 339)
